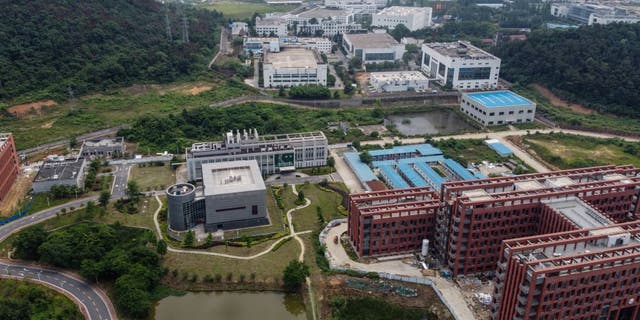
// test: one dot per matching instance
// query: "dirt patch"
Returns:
(35, 108)
(48, 124)
(558, 102)
(10, 204)
(197, 90)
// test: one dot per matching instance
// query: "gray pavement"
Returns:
(120, 177)
(93, 302)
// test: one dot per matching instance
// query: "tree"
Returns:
(366, 157)
(73, 142)
(104, 198)
(281, 92)
(189, 239)
(336, 95)
(161, 247)
(355, 63)
(301, 198)
(27, 242)
(294, 275)
(400, 31)
(133, 191)
(331, 162)
(209, 238)
(356, 144)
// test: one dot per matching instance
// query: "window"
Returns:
(254, 210)
(474, 73)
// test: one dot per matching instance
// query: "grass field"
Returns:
(100, 111)
(245, 10)
(152, 177)
(328, 202)
(566, 151)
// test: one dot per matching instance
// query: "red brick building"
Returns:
(477, 215)
(392, 221)
(9, 165)
(583, 274)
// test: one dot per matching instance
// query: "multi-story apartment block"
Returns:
(414, 18)
(292, 67)
(9, 164)
(460, 65)
(372, 47)
(274, 153)
(393, 221)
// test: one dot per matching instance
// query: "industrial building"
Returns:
(59, 172)
(9, 164)
(253, 45)
(274, 153)
(320, 21)
(589, 273)
(292, 67)
(414, 18)
(103, 148)
(394, 81)
(391, 222)
(239, 28)
(372, 47)
(460, 65)
(477, 215)
(497, 107)
(271, 27)
(233, 196)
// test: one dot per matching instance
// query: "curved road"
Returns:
(93, 302)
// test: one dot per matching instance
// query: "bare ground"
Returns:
(21, 110)
(17, 192)
(558, 102)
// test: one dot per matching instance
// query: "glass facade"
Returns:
(379, 56)
(441, 69)
(474, 73)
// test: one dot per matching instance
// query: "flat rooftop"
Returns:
(398, 76)
(293, 58)
(499, 99)
(284, 139)
(59, 170)
(459, 49)
(111, 142)
(578, 212)
(231, 177)
(371, 40)
(261, 39)
(4, 137)
(403, 11)
(319, 13)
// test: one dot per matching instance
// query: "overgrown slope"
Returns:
(596, 65)
(52, 46)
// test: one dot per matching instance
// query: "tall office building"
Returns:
(9, 164)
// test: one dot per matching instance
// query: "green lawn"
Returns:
(325, 199)
(245, 10)
(570, 151)
(275, 216)
(152, 177)
(100, 111)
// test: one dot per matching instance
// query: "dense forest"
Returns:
(26, 300)
(58, 48)
(596, 65)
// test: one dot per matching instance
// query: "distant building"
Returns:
(497, 107)
(322, 22)
(372, 47)
(359, 6)
(591, 13)
(62, 172)
(391, 222)
(292, 67)
(274, 153)
(414, 18)
(239, 28)
(233, 196)
(394, 81)
(322, 45)
(103, 148)
(267, 27)
(460, 65)
(252, 45)
(9, 164)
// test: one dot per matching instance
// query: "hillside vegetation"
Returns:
(53, 47)
(26, 300)
(596, 65)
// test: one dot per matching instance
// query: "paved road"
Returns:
(120, 177)
(93, 301)
(80, 138)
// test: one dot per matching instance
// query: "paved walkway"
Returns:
(450, 292)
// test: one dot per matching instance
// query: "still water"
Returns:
(432, 122)
(232, 306)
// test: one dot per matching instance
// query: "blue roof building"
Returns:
(499, 148)
(497, 107)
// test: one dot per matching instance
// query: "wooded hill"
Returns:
(598, 66)
(50, 46)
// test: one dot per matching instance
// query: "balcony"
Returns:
(524, 289)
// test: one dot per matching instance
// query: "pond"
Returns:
(432, 122)
(232, 306)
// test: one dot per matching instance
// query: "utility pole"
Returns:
(185, 24)
(168, 25)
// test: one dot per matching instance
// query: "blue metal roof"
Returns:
(414, 178)
(479, 175)
(376, 164)
(499, 99)
(424, 149)
(500, 148)
(458, 169)
(428, 150)
(361, 169)
(429, 159)
(393, 178)
(432, 177)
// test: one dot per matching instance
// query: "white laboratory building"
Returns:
(271, 27)
(372, 47)
(460, 65)
(395, 81)
(414, 18)
(497, 107)
(292, 67)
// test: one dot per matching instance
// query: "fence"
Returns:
(17, 215)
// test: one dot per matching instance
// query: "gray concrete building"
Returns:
(103, 148)
(372, 47)
(66, 172)
(274, 153)
(233, 196)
